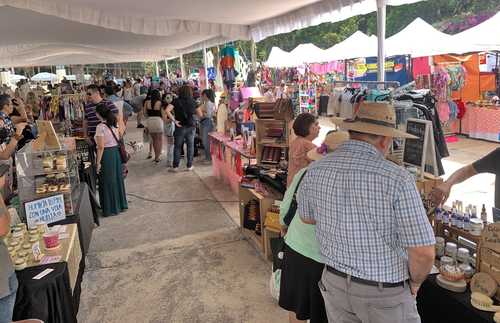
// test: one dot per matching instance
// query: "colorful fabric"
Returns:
(9, 126)
(367, 210)
(421, 66)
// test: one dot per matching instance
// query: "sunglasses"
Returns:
(89, 94)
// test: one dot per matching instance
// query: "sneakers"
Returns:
(140, 126)
(189, 169)
(174, 170)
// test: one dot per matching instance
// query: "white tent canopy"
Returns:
(44, 77)
(308, 53)
(14, 78)
(421, 39)
(357, 45)
(279, 58)
(485, 35)
(87, 31)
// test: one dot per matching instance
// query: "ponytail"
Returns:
(106, 113)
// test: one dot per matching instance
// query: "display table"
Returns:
(83, 217)
(482, 123)
(438, 305)
(227, 163)
(48, 299)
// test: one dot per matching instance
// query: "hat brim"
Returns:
(370, 128)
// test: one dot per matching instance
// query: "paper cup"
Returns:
(51, 240)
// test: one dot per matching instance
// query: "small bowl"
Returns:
(51, 240)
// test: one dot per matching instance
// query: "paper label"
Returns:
(35, 248)
(43, 273)
(63, 236)
(50, 260)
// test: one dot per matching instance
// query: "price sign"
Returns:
(421, 152)
(47, 210)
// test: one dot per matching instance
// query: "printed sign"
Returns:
(47, 210)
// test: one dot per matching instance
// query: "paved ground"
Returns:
(177, 254)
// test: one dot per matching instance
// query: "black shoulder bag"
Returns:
(124, 155)
(293, 206)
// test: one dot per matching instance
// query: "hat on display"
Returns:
(376, 118)
(332, 141)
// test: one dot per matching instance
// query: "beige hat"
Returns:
(332, 141)
(377, 118)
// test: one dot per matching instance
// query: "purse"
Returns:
(124, 155)
(283, 110)
(290, 214)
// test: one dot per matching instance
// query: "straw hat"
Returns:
(377, 118)
(332, 141)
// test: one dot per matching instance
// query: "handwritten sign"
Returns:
(491, 237)
(47, 210)
(421, 152)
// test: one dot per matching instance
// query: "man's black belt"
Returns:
(363, 281)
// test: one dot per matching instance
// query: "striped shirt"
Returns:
(91, 116)
(367, 211)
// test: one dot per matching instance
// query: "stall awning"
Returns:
(308, 53)
(421, 39)
(83, 29)
(485, 35)
(357, 45)
(279, 58)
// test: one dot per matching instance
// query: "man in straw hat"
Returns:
(371, 225)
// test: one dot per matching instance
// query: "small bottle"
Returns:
(446, 218)
(484, 215)
(453, 219)
(474, 213)
(467, 220)
(460, 220)
(438, 215)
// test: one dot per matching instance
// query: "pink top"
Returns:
(103, 130)
(297, 156)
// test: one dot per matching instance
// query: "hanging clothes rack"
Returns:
(387, 84)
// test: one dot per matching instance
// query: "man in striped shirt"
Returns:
(91, 121)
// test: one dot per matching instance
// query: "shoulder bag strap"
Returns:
(290, 214)
(113, 133)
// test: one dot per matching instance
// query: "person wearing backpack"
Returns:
(302, 266)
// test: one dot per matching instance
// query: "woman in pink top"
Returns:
(306, 128)
(112, 194)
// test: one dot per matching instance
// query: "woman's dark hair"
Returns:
(4, 100)
(302, 123)
(106, 114)
(185, 92)
(155, 97)
(210, 94)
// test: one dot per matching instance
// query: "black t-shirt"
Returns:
(184, 109)
(491, 164)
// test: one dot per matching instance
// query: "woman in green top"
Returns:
(302, 266)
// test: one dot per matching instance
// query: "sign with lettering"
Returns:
(47, 210)
(421, 152)
(491, 237)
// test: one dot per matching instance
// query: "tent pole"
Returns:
(253, 55)
(205, 66)
(157, 71)
(183, 72)
(167, 72)
(381, 16)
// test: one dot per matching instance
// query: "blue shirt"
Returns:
(367, 211)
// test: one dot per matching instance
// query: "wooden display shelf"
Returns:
(261, 127)
(265, 202)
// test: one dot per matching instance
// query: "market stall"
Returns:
(482, 121)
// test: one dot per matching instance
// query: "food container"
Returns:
(18, 232)
(451, 250)
(15, 245)
(463, 255)
(468, 270)
(42, 228)
(440, 244)
(51, 240)
(20, 263)
(22, 254)
(476, 227)
(445, 260)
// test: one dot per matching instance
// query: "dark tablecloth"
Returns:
(89, 176)
(48, 299)
(439, 305)
(83, 217)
